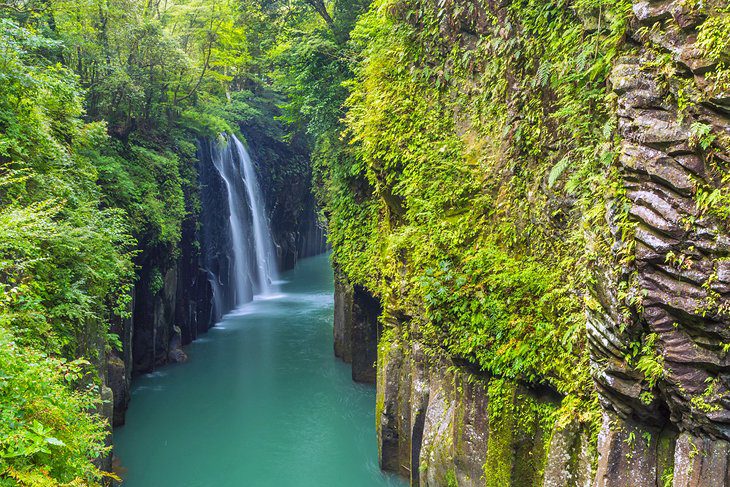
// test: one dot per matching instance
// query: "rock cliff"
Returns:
(678, 266)
(651, 268)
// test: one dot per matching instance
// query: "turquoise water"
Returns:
(261, 402)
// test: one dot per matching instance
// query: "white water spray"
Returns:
(263, 248)
(254, 264)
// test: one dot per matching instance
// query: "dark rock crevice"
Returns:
(356, 328)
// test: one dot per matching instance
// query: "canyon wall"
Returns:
(643, 252)
(356, 328)
(679, 264)
(444, 423)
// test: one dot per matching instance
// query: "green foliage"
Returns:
(60, 277)
(451, 480)
(505, 316)
(65, 269)
(142, 63)
(493, 261)
(48, 436)
(713, 38)
(147, 183)
(462, 179)
(649, 361)
(101, 104)
(63, 259)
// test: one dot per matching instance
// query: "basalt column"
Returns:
(343, 317)
(440, 423)
(365, 330)
(356, 328)
(670, 298)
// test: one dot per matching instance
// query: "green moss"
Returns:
(448, 208)
(459, 416)
(665, 457)
(384, 348)
(520, 426)
(502, 425)
(451, 479)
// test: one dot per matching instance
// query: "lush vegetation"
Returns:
(463, 155)
(466, 178)
(469, 172)
(100, 107)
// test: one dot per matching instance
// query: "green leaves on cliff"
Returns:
(479, 152)
(65, 268)
(101, 103)
(63, 259)
(713, 38)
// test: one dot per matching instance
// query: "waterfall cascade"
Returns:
(241, 262)
(263, 247)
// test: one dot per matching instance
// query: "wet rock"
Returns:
(651, 11)
(419, 396)
(343, 317)
(365, 330)
(657, 166)
(106, 411)
(434, 426)
(685, 16)
(393, 415)
(176, 353)
(119, 385)
(471, 428)
(437, 447)
(701, 461)
(672, 284)
(655, 128)
(569, 461)
(627, 454)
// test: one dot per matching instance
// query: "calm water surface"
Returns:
(261, 402)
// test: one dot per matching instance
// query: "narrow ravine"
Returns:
(261, 402)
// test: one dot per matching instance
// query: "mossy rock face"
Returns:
(656, 359)
(419, 397)
(471, 431)
(392, 411)
(454, 434)
(520, 424)
(456, 428)
(500, 454)
(700, 461)
(437, 447)
(633, 454)
(343, 317)
(570, 456)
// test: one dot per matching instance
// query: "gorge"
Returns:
(510, 218)
(271, 406)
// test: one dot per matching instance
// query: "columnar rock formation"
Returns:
(679, 267)
(356, 328)
(433, 414)
(658, 319)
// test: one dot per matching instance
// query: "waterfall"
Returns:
(244, 263)
(224, 162)
(263, 248)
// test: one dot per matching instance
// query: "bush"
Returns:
(47, 434)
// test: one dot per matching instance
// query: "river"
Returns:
(261, 402)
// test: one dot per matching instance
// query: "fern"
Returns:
(557, 170)
(543, 73)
